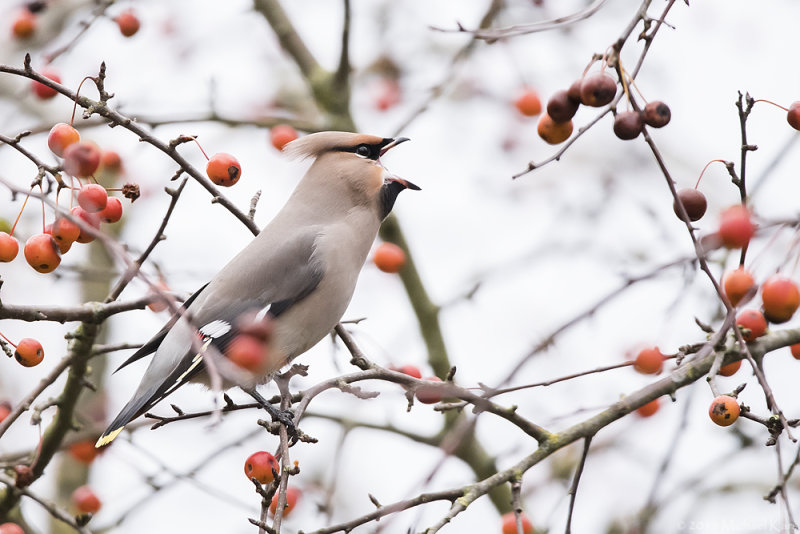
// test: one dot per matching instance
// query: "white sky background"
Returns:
(545, 247)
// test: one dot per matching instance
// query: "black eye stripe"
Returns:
(364, 150)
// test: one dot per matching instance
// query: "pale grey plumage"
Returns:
(303, 265)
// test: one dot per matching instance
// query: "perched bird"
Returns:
(299, 272)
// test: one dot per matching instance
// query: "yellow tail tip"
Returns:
(105, 439)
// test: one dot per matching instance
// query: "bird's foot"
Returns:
(283, 417)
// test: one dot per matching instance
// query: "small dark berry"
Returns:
(574, 91)
(598, 90)
(793, 116)
(628, 125)
(561, 107)
(694, 202)
(657, 114)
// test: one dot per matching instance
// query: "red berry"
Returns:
(128, 23)
(61, 136)
(260, 465)
(41, 90)
(29, 352)
(649, 361)
(793, 115)
(561, 107)
(509, 523)
(292, 494)
(628, 125)
(389, 95)
(528, 103)
(598, 89)
(737, 284)
(81, 159)
(9, 247)
(93, 198)
(694, 202)
(84, 451)
(780, 298)
(5, 410)
(42, 253)
(112, 212)
(795, 349)
(753, 324)
(553, 132)
(247, 352)
(65, 232)
(735, 227)
(429, 394)
(410, 370)
(11, 528)
(657, 114)
(646, 410)
(252, 324)
(85, 500)
(282, 134)
(24, 24)
(730, 369)
(389, 258)
(223, 169)
(92, 219)
(724, 410)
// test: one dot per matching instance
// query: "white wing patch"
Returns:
(215, 329)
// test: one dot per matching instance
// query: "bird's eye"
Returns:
(363, 151)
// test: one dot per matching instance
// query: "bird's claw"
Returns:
(285, 418)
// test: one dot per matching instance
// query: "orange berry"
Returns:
(85, 500)
(61, 136)
(780, 298)
(81, 159)
(753, 324)
(128, 23)
(29, 352)
(730, 369)
(737, 284)
(42, 253)
(9, 247)
(646, 410)
(735, 227)
(553, 132)
(84, 451)
(65, 232)
(389, 258)
(509, 523)
(260, 465)
(92, 219)
(429, 394)
(41, 90)
(112, 212)
(528, 103)
(247, 352)
(724, 410)
(5, 410)
(281, 134)
(292, 494)
(795, 351)
(223, 169)
(24, 24)
(110, 161)
(649, 361)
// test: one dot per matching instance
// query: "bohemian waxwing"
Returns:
(299, 272)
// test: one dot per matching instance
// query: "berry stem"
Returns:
(771, 102)
(75, 105)
(706, 167)
(20, 213)
(193, 138)
(8, 340)
(41, 192)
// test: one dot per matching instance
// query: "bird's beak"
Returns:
(404, 183)
(392, 143)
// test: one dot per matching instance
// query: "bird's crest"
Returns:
(316, 144)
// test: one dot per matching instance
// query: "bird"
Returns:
(299, 272)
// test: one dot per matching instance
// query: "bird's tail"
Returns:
(137, 406)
